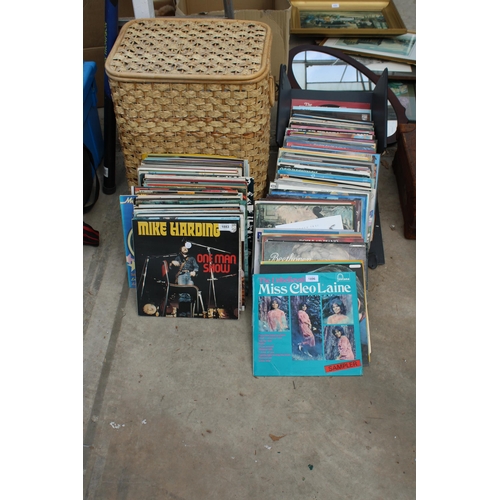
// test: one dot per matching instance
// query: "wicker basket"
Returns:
(193, 86)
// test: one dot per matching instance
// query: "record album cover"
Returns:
(306, 324)
(189, 266)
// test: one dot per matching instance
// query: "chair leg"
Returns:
(195, 305)
(199, 300)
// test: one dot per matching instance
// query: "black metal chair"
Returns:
(193, 291)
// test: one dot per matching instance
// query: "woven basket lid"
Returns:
(190, 50)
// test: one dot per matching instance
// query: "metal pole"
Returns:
(110, 34)
(228, 9)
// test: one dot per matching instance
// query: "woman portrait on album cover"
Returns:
(339, 342)
(337, 312)
(306, 329)
(344, 346)
(276, 318)
(307, 341)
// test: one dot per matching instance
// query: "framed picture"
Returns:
(402, 48)
(396, 71)
(405, 91)
(350, 18)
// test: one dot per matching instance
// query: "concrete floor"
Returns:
(172, 410)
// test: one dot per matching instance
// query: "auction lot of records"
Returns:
(199, 246)
(249, 269)
(189, 224)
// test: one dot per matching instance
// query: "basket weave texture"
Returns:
(193, 86)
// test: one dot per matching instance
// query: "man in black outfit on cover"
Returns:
(187, 268)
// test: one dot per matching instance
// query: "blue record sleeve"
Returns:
(127, 212)
(306, 324)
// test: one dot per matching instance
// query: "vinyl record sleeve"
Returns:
(306, 324)
(215, 258)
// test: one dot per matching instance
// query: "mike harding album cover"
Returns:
(188, 266)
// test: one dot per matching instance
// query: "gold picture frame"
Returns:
(350, 18)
